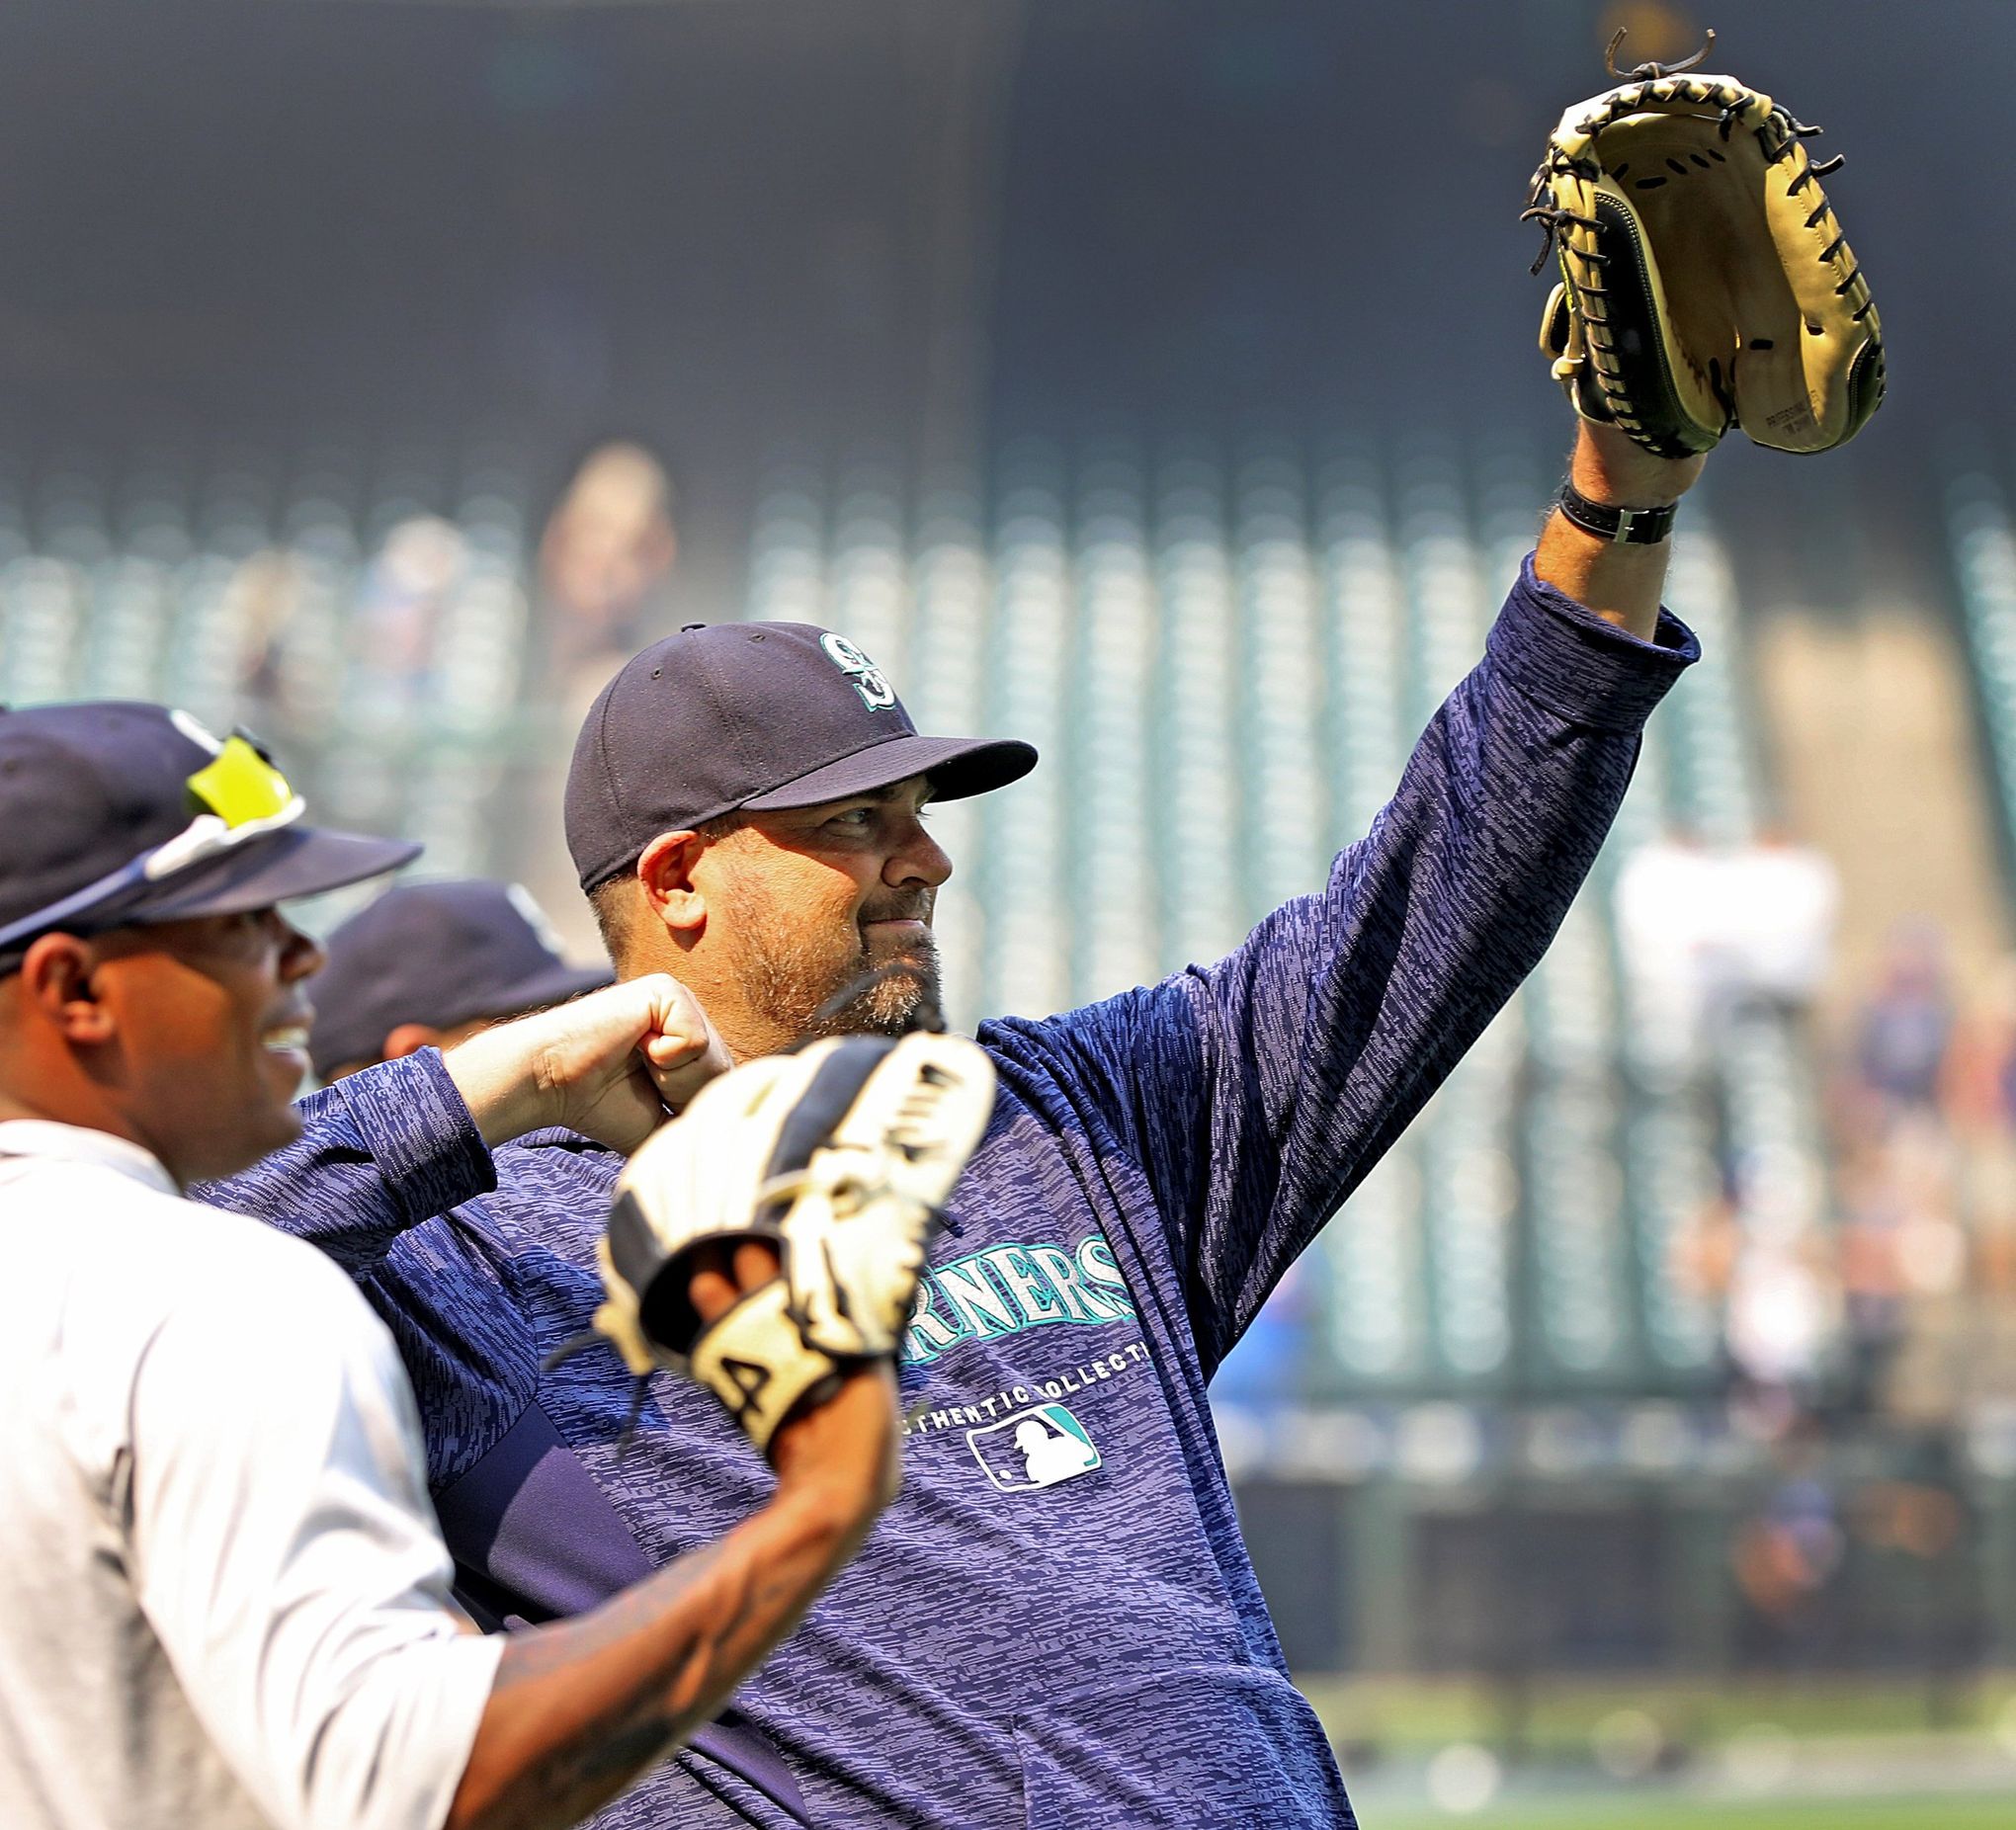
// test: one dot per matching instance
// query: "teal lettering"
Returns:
(930, 1332)
(1063, 1270)
(1095, 1261)
(1005, 1289)
(1030, 1290)
(982, 1311)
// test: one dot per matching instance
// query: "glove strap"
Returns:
(1622, 527)
(754, 1360)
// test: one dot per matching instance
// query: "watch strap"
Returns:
(1622, 527)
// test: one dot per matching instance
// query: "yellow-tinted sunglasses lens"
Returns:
(239, 786)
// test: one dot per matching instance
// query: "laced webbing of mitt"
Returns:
(1706, 283)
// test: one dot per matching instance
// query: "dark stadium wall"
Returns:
(1279, 207)
(1293, 218)
(731, 226)
(235, 223)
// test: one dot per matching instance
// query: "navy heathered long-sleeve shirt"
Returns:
(1056, 1624)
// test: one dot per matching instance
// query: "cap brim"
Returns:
(300, 860)
(958, 767)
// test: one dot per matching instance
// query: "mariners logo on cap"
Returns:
(863, 675)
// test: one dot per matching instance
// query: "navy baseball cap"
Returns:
(440, 954)
(763, 716)
(118, 814)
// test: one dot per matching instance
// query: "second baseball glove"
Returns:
(841, 1157)
(1705, 281)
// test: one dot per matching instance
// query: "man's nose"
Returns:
(918, 859)
(301, 954)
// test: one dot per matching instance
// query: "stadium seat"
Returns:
(1224, 658)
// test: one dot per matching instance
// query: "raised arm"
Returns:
(1257, 1092)
(1618, 582)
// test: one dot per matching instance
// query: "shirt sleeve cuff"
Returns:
(1565, 657)
(412, 1119)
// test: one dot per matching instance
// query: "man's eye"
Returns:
(860, 818)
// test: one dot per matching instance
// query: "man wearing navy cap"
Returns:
(427, 965)
(1058, 1624)
(223, 1594)
(781, 853)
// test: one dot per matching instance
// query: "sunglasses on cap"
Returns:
(235, 796)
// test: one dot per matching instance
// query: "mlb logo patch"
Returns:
(1036, 1448)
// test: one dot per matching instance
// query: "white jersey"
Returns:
(224, 1596)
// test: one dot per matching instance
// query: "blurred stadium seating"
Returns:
(1503, 1367)
(1226, 658)
(370, 621)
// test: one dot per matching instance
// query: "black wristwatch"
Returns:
(1622, 526)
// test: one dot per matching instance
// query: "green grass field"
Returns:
(1838, 1740)
(1624, 1812)
(1402, 1714)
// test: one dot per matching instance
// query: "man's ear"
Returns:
(410, 1039)
(56, 973)
(665, 879)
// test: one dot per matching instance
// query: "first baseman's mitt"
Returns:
(1704, 281)
(841, 1156)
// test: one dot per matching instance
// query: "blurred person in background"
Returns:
(406, 592)
(1787, 1557)
(223, 1594)
(1782, 900)
(605, 564)
(1669, 905)
(1873, 1285)
(1265, 1374)
(430, 963)
(747, 811)
(265, 597)
(1709, 933)
(605, 558)
(1979, 1097)
(1903, 1026)
(1782, 1317)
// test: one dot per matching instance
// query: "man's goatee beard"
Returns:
(891, 998)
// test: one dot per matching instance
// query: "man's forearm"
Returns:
(378, 1153)
(611, 1064)
(1619, 583)
(581, 1707)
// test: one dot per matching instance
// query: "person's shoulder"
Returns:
(246, 1312)
(134, 1232)
(1106, 1035)
(201, 1260)
(556, 1144)
(132, 1277)
(146, 1254)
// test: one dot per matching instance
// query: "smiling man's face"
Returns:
(212, 1029)
(802, 903)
